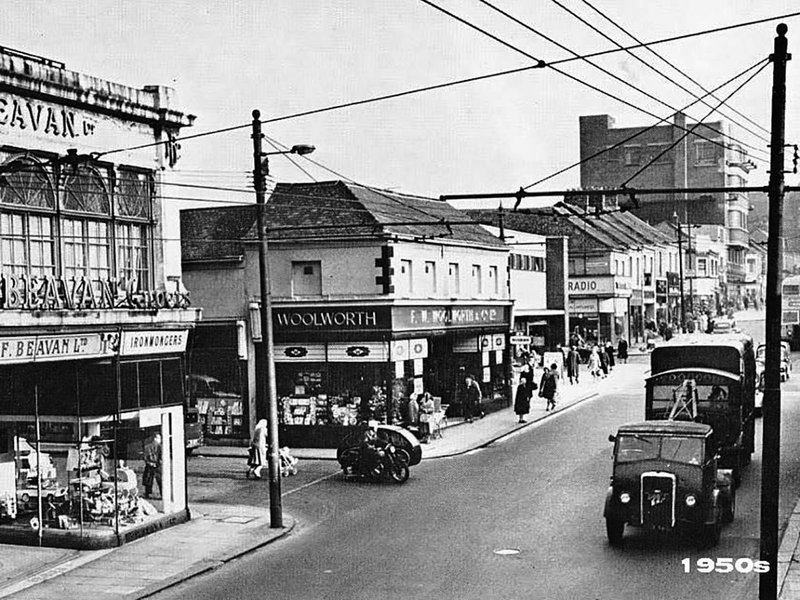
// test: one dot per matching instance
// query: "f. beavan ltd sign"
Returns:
(57, 347)
(49, 119)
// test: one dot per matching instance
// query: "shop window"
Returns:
(129, 386)
(132, 253)
(454, 279)
(306, 278)
(149, 383)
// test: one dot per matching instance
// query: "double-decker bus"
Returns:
(790, 315)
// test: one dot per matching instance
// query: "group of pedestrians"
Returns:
(600, 362)
(547, 386)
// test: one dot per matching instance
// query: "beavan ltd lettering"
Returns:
(26, 114)
(343, 319)
(57, 293)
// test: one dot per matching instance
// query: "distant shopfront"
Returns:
(340, 364)
(599, 307)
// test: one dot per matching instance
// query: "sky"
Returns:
(225, 58)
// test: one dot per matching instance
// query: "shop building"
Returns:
(537, 279)
(95, 319)
(376, 296)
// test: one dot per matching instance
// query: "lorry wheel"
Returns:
(615, 530)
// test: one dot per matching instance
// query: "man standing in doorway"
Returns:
(152, 466)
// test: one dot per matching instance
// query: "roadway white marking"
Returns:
(310, 483)
(507, 551)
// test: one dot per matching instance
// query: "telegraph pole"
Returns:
(680, 268)
(266, 356)
(770, 468)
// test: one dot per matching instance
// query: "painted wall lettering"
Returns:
(20, 113)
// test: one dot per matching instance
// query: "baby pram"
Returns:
(287, 463)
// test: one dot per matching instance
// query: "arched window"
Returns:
(25, 181)
(26, 236)
(86, 227)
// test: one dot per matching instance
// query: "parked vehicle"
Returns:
(401, 450)
(722, 370)
(666, 477)
(786, 360)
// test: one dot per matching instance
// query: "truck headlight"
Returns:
(691, 500)
(624, 497)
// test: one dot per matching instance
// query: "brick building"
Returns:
(707, 157)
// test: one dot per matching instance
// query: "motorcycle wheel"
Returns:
(402, 455)
(400, 472)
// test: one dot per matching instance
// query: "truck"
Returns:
(666, 477)
(722, 373)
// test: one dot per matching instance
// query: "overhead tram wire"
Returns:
(695, 126)
(457, 82)
(662, 74)
(564, 73)
(598, 67)
(669, 63)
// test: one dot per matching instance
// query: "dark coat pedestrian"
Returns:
(622, 350)
(522, 400)
(472, 398)
(573, 364)
(549, 386)
(610, 354)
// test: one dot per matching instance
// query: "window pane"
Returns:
(28, 184)
(84, 190)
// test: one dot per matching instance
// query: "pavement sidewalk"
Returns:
(218, 533)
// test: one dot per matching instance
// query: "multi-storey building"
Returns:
(706, 157)
(94, 319)
(377, 296)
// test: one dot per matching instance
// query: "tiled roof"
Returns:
(329, 210)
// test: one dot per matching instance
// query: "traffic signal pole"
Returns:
(770, 467)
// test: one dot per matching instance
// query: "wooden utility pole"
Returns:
(770, 467)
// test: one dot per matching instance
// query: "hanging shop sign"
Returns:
(37, 348)
(448, 317)
(137, 343)
(409, 349)
(519, 340)
(60, 293)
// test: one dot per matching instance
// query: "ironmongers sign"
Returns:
(59, 293)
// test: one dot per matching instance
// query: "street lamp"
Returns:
(267, 356)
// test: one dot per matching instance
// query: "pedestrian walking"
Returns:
(258, 450)
(426, 409)
(610, 354)
(548, 387)
(472, 398)
(152, 466)
(522, 398)
(594, 363)
(622, 350)
(601, 352)
(573, 365)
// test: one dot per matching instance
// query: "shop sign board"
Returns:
(138, 343)
(519, 340)
(409, 349)
(590, 285)
(448, 317)
(35, 348)
(330, 319)
(299, 352)
(358, 352)
(583, 305)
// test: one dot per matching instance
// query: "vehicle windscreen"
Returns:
(633, 448)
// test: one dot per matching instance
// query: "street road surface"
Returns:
(539, 493)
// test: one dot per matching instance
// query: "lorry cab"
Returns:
(665, 477)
